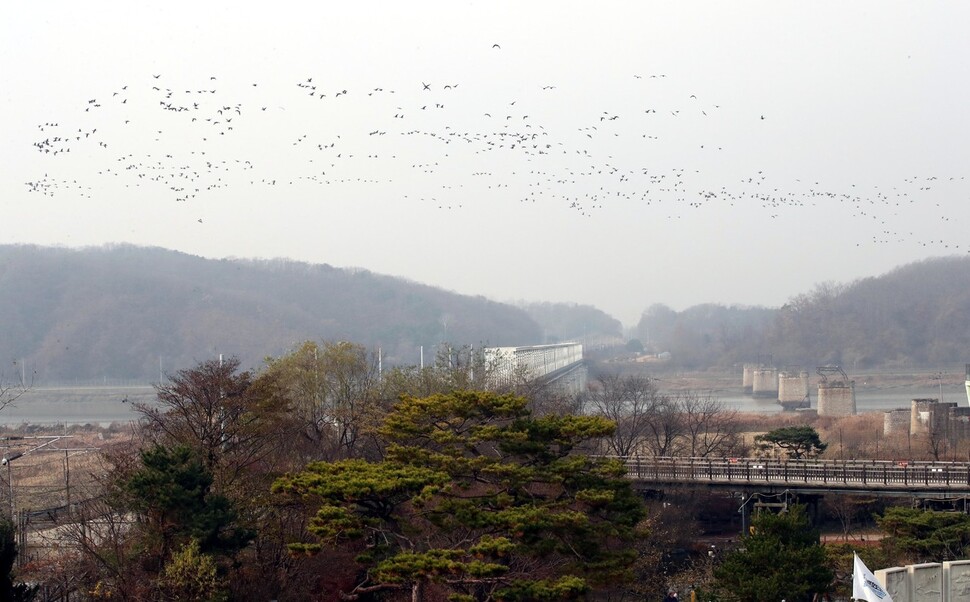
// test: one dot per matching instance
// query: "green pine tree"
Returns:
(780, 560)
(479, 497)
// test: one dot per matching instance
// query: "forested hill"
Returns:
(916, 315)
(573, 322)
(116, 312)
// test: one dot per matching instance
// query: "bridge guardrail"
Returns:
(844, 473)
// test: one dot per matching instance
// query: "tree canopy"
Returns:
(796, 441)
(19, 592)
(780, 560)
(926, 535)
(171, 492)
(478, 498)
(220, 413)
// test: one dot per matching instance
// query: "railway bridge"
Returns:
(558, 365)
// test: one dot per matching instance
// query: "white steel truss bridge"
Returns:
(558, 364)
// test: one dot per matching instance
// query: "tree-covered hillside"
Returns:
(916, 315)
(573, 322)
(117, 312)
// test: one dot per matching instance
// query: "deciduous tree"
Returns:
(665, 428)
(215, 410)
(191, 576)
(710, 428)
(631, 402)
(333, 391)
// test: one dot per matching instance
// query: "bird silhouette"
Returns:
(550, 155)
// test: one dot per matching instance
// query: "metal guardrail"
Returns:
(820, 474)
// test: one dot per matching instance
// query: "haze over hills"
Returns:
(917, 315)
(121, 311)
(126, 312)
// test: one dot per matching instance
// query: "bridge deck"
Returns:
(900, 476)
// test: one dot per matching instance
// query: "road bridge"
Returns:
(874, 477)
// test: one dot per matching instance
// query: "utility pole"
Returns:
(67, 478)
(744, 527)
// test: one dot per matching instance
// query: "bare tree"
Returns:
(710, 428)
(937, 443)
(847, 508)
(216, 411)
(105, 541)
(632, 402)
(350, 392)
(650, 422)
(11, 391)
(665, 427)
(103, 533)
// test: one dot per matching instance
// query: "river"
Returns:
(77, 405)
(106, 405)
(867, 399)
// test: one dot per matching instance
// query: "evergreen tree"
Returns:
(171, 493)
(925, 535)
(479, 497)
(780, 560)
(796, 441)
(8, 555)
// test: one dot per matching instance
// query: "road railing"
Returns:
(810, 472)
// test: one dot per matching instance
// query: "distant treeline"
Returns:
(125, 312)
(915, 315)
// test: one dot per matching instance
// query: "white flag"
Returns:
(864, 584)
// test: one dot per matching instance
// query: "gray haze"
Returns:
(617, 154)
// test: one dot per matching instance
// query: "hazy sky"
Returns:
(617, 154)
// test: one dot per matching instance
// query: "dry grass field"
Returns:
(59, 465)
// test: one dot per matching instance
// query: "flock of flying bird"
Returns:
(443, 145)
